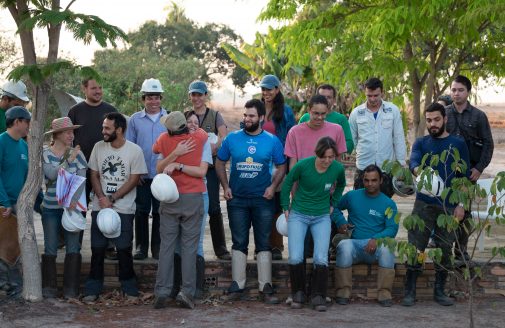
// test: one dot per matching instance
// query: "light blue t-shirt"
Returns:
(251, 158)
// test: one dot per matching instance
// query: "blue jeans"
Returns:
(244, 212)
(202, 228)
(123, 241)
(352, 251)
(51, 223)
(144, 203)
(320, 227)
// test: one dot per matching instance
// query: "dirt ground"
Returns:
(489, 313)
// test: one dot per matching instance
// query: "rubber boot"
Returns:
(200, 277)
(410, 287)
(385, 279)
(438, 292)
(176, 285)
(218, 237)
(297, 277)
(343, 284)
(49, 283)
(319, 287)
(238, 275)
(94, 284)
(72, 275)
(141, 235)
(127, 276)
(264, 261)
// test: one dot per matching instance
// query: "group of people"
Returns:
(276, 167)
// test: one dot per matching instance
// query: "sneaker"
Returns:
(342, 300)
(111, 254)
(139, 255)
(386, 303)
(160, 302)
(276, 254)
(90, 298)
(184, 301)
(225, 256)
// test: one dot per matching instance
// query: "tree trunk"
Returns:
(32, 280)
(416, 108)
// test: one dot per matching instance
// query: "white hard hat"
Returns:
(282, 225)
(151, 86)
(73, 220)
(15, 90)
(164, 188)
(432, 184)
(109, 223)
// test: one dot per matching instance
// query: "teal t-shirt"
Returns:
(3, 125)
(340, 119)
(13, 168)
(367, 214)
(312, 196)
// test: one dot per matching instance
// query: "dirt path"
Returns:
(249, 314)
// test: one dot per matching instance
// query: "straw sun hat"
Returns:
(62, 124)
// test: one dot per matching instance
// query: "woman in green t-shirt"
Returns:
(320, 182)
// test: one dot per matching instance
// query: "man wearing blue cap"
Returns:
(11, 94)
(13, 172)
(213, 123)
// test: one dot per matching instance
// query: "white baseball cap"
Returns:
(15, 90)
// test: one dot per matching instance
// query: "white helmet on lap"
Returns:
(164, 188)
(151, 86)
(109, 223)
(437, 184)
(282, 225)
(73, 220)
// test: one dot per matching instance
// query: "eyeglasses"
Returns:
(321, 114)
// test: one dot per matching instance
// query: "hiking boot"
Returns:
(184, 301)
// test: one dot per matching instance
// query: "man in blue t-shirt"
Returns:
(429, 205)
(371, 216)
(249, 195)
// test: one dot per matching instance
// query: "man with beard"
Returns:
(249, 195)
(116, 166)
(377, 132)
(429, 205)
(472, 124)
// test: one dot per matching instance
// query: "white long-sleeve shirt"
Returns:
(377, 139)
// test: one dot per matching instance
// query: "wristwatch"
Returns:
(181, 166)
(111, 199)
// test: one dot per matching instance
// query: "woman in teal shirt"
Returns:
(320, 183)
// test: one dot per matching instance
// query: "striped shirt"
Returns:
(51, 165)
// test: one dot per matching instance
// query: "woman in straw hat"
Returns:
(60, 154)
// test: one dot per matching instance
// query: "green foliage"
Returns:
(416, 47)
(39, 73)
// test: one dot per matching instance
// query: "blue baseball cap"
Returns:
(270, 82)
(197, 86)
(18, 112)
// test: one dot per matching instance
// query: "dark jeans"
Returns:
(145, 204)
(386, 186)
(244, 212)
(443, 238)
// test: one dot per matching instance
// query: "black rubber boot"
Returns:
(218, 237)
(410, 287)
(297, 277)
(176, 286)
(319, 287)
(127, 275)
(72, 275)
(200, 277)
(49, 284)
(438, 292)
(141, 235)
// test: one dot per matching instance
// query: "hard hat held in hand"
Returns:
(109, 223)
(433, 179)
(73, 220)
(164, 188)
(282, 225)
(403, 189)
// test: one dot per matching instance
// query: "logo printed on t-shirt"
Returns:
(113, 169)
(251, 150)
(327, 186)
